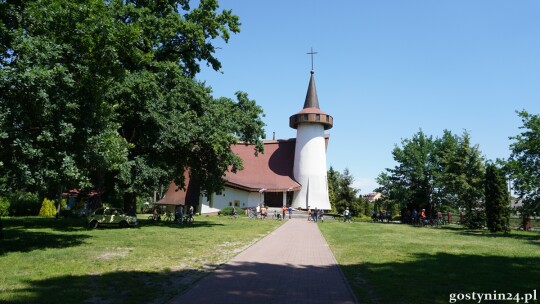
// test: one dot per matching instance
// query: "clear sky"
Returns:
(386, 69)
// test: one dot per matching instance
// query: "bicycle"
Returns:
(189, 219)
(155, 217)
(345, 218)
(169, 216)
(252, 214)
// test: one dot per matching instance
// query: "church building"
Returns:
(290, 172)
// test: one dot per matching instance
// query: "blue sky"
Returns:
(386, 69)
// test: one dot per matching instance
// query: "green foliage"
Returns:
(102, 95)
(475, 219)
(4, 206)
(434, 173)
(497, 200)
(229, 211)
(23, 203)
(523, 165)
(47, 208)
(341, 192)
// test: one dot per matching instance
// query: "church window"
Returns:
(305, 117)
(318, 117)
(237, 203)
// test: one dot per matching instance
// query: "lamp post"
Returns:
(261, 191)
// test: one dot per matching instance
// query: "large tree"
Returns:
(461, 171)
(433, 173)
(411, 183)
(523, 165)
(102, 94)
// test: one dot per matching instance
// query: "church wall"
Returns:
(244, 199)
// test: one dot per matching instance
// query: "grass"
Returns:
(43, 260)
(391, 263)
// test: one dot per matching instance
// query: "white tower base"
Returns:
(310, 168)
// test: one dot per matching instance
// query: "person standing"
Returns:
(315, 214)
(258, 210)
(347, 214)
(290, 212)
(190, 213)
(284, 209)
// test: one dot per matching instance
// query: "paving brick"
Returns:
(293, 264)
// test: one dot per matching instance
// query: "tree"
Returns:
(346, 195)
(333, 177)
(410, 184)
(523, 165)
(434, 173)
(103, 95)
(461, 173)
(497, 200)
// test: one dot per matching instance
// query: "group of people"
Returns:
(420, 217)
(179, 214)
(262, 212)
(381, 216)
(315, 214)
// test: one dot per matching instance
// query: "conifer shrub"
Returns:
(47, 208)
(497, 200)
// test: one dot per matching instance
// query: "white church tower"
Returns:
(310, 152)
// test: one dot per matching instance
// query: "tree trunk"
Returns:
(130, 202)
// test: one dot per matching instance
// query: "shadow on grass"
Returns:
(19, 234)
(20, 240)
(429, 279)
(232, 283)
(112, 287)
(35, 222)
(433, 278)
(198, 223)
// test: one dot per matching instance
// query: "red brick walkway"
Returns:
(291, 265)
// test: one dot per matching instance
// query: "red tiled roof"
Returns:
(272, 171)
(189, 196)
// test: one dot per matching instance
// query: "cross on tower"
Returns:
(312, 53)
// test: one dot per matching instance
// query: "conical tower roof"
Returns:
(312, 101)
(311, 113)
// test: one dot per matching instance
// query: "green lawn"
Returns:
(391, 263)
(43, 260)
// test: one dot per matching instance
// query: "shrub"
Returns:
(228, 211)
(47, 208)
(476, 219)
(23, 203)
(4, 206)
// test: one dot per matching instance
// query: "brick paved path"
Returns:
(293, 264)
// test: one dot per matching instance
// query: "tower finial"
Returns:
(312, 53)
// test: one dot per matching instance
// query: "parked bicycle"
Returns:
(155, 217)
(189, 219)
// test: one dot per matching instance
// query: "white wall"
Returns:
(310, 167)
(247, 200)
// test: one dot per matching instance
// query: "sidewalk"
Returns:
(293, 264)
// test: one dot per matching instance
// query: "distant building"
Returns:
(373, 196)
(291, 172)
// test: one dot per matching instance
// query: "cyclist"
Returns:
(347, 214)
